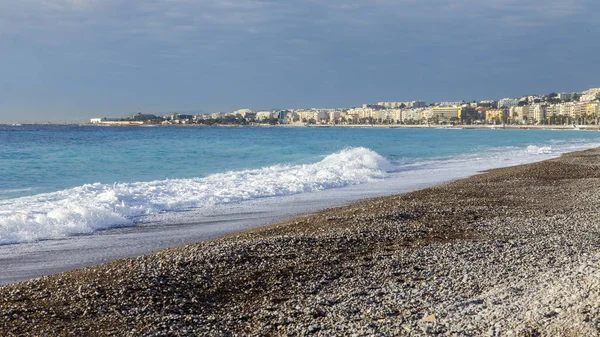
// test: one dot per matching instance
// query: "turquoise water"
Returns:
(47, 159)
(59, 181)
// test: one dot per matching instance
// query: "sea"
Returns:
(72, 196)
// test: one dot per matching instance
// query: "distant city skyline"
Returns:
(70, 60)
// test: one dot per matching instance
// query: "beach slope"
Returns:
(510, 251)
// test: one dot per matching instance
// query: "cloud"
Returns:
(160, 19)
(188, 28)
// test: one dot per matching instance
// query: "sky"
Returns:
(71, 60)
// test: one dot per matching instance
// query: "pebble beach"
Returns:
(509, 252)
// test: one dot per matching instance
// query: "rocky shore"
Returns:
(514, 251)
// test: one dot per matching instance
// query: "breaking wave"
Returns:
(91, 207)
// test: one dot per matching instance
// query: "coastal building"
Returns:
(303, 115)
(574, 109)
(519, 114)
(531, 99)
(120, 122)
(538, 113)
(392, 105)
(350, 116)
(245, 113)
(508, 103)
(496, 116)
(564, 96)
(143, 117)
(553, 110)
(401, 105)
(568, 109)
(335, 116)
(321, 116)
(185, 117)
(373, 106)
(448, 104)
(412, 116)
(592, 112)
(397, 115)
(417, 104)
(362, 112)
(314, 115)
(590, 95)
(491, 104)
(102, 120)
(426, 115)
(291, 117)
(262, 115)
(249, 115)
(385, 115)
(468, 114)
(283, 116)
(580, 109)
(443, 114)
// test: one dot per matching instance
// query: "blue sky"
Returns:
(69, 60)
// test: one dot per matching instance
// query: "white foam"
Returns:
(15, 190)
(91, 207)
(539, 149)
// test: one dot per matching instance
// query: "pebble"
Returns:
(514, 251)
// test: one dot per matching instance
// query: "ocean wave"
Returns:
(16, 190)
(533, 149)
(91, 207)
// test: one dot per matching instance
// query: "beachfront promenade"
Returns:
(514, 251)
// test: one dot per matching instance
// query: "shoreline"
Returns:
(25, 261)
(583, 127)
(513, 249)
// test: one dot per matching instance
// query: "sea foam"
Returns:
(91, 207)
(539, 149)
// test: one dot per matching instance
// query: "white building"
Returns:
(262, 115)
(448, 104)
(244, 112)
(590, 95)
(539, 112)
(554, 110)
(382, 115)
(507, 103)
(396, 105)
(316, 115)
(488, 104)
(102, 120)
(565, 95)
(396, 115)
(362, 112)
(391, 105)
(335, 116)
(413, 115)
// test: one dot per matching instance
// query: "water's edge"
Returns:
(30, 260)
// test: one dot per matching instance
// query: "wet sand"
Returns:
(514, 251)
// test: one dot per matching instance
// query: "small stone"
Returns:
(430, 318)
